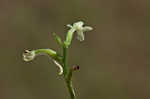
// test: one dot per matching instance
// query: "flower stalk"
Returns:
(61, 60)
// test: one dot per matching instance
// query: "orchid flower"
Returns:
(30, 55)
(79, 29)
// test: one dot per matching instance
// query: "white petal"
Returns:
(68, 25)
(87, 28)
(78, 25)
(80, 35)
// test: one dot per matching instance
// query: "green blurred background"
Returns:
(114, 58)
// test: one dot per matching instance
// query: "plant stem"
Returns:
(70, 88)
(65, 62)
(66, 74)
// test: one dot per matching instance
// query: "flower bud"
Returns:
(28, 55)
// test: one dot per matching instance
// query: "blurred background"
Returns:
(114, 59)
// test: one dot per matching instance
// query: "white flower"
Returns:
(28, 55)
(80, 29)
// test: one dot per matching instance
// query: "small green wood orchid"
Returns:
(58, 59)
(30, 55)
(80, 29)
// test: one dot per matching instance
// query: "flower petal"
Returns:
(80, 35)
(78, 25)
(87, 28)
(69, 25)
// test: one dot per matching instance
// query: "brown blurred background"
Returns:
(114, 58)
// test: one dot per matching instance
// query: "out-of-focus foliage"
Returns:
(115, 56)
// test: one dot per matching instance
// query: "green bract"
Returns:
(58, 39)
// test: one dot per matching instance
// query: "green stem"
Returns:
(65, 61)
(67, 75)
(70, 88)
